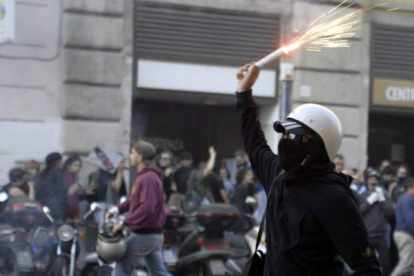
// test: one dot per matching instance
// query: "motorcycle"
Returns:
(176, 228)
(97, 234)
(220, 247)
(66, 252)
(27, 237)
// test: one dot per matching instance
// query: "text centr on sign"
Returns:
(393, 93)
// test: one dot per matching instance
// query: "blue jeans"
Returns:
(148, 247)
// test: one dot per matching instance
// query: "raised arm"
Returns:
(264, 162)
(211, 161)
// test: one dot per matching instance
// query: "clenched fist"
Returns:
(246, 77)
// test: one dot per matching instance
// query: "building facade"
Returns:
(337, 78)
(64, 80)
(98, 72)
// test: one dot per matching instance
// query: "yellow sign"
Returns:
(393, 93)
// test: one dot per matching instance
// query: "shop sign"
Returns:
(393, 93)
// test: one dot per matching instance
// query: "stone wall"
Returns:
(65, 81)
(96, 76)
(30, 85)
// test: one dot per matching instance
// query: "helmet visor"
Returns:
(291, 127)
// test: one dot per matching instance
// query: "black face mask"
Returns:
(290, 154)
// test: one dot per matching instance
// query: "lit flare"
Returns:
(332, 29)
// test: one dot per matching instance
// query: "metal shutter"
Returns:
(392, 52)
(203, 35)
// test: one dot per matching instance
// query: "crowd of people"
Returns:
(386, 199)
(212, 182)
(57, 184)
(58, 187)
(385, 194)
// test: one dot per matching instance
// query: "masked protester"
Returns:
(312, 216)
(377, 210)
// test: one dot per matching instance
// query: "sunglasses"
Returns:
(298, 139)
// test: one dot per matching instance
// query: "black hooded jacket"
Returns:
(311, 220)
(52, 191)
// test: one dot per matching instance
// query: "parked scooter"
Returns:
(66, 252)
(220, 247)
(110, 247)
(88, 261)
(26, 237)
(100, 258)
(174, 232)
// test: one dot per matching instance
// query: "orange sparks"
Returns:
(332, 29)
(290, 47)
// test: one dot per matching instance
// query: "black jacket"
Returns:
(377, 215)
(310, 221)
(181, 177)
(240, 194)
(52, 191)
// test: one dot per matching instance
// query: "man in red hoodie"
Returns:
(146, 215)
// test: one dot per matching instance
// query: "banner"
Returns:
(7, 20)
(105, 159)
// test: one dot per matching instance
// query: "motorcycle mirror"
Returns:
(95, 206)
(46, 210)
(123, 199)
(4, 196)
(251, 201)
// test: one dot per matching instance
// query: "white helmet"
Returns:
(323, 121)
